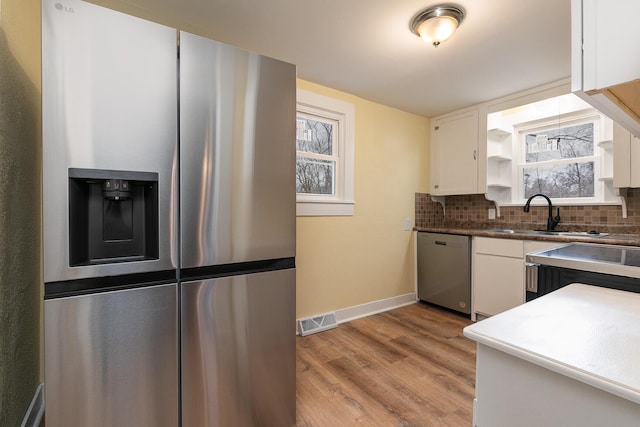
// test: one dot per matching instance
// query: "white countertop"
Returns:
(584, 332)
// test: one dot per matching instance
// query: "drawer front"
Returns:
(502, 247)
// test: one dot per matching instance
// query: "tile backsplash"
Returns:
(471, 211)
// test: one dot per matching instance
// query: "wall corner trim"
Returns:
(33, 416)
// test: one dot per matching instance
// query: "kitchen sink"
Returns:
(585, 234)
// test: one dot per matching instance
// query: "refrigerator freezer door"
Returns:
(237, 154)
(238, 351)
(111, 359)
(108, 102)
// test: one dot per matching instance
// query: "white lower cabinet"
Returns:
(511, 391)
(564, 361)
(498, 277)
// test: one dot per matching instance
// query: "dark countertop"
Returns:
(610, 239)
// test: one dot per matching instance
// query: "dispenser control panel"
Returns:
(113, 216)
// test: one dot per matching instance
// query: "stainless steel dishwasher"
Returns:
(444, 270)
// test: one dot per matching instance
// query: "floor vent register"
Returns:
(320, 323)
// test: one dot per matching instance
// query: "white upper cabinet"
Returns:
(605, 58)
(454, 154)
(626, 159)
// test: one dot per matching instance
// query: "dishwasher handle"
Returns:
(441, 243)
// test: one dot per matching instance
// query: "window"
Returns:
(324, 155)
(560, 162)
(559, 146)
(316, 158)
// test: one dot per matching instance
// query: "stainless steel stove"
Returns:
(609, 266)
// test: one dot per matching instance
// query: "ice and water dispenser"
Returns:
(113, 216)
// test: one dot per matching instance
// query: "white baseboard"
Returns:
(33, 416)
(367, 309)
(374, 307)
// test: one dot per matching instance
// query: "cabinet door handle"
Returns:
(440, 242)
(475, 155)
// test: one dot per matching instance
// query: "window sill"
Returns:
(324, 208)
(558, 203)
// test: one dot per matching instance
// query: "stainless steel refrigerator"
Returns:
(169, 226)
(237, 236)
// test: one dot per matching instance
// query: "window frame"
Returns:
(334, 157)
(341, 203)
(566, 120)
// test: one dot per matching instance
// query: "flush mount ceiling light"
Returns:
(437, 23)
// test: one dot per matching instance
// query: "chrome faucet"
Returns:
(551, 221)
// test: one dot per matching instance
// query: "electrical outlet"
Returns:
(492, 213)
(407, 224)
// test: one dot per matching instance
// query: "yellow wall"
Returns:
(347, 261)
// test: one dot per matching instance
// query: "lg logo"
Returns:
(61, 7)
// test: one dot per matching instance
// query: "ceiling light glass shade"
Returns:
(437, 23)
(436, 30)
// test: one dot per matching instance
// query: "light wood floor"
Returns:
(407, 367)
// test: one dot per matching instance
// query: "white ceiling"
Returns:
(365, 47)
